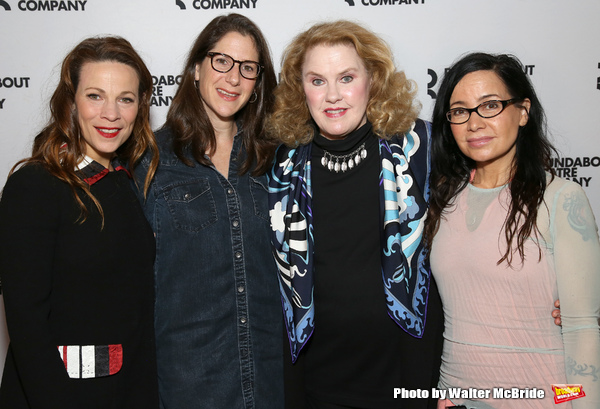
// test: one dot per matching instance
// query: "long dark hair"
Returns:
(59, 147)
(451, 168)
(187, 116)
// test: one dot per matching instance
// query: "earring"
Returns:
(252, 101)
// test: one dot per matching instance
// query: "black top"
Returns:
(343, 366)
(75, 284)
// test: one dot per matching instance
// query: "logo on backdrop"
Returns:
(164, 89)
(384, 2)
(216, 4)
(46, 5)
(434, 77)
(574, 168)
(12, 82)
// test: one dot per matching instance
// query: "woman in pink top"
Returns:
(507, 238)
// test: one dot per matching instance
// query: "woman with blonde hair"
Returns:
(348, 197)
(76, 252)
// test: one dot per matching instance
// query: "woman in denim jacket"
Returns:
(218, 317)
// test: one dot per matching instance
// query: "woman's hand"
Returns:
(556, 313)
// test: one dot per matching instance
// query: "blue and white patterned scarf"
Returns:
(404, 191)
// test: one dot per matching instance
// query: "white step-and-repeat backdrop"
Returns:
(557, 40)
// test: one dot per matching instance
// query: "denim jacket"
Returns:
(218, 313)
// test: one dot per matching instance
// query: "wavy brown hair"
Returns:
(59, 147)
(451, 168)
(391, 108)
(187, 116)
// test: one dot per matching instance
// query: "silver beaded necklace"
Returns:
(335, 163)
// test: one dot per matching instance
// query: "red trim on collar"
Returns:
(91, 180)
(125, 169)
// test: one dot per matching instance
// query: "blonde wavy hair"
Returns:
(391, 109)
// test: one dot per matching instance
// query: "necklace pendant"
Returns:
(335, 163)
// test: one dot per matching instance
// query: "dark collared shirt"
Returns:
(218, 311)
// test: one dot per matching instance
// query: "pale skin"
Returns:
(337, 86)
(225, 94)
(107, 102)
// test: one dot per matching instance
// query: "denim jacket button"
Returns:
(238, 255)
(240, 289)
(236, 223)
(243, 320)
(229, 191)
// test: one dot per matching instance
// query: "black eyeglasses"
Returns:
(224, 63)
(488, 109)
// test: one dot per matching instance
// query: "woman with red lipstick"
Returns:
(76, 251)
(218, 315)
(348, 195)
(508, 237)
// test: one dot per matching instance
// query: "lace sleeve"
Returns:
(577, 263)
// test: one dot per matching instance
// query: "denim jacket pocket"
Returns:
(259, 192)
(191, 204)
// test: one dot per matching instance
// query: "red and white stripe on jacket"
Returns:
(91, 361)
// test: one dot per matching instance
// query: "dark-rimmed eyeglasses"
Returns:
(488, 109)
(224, 63)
